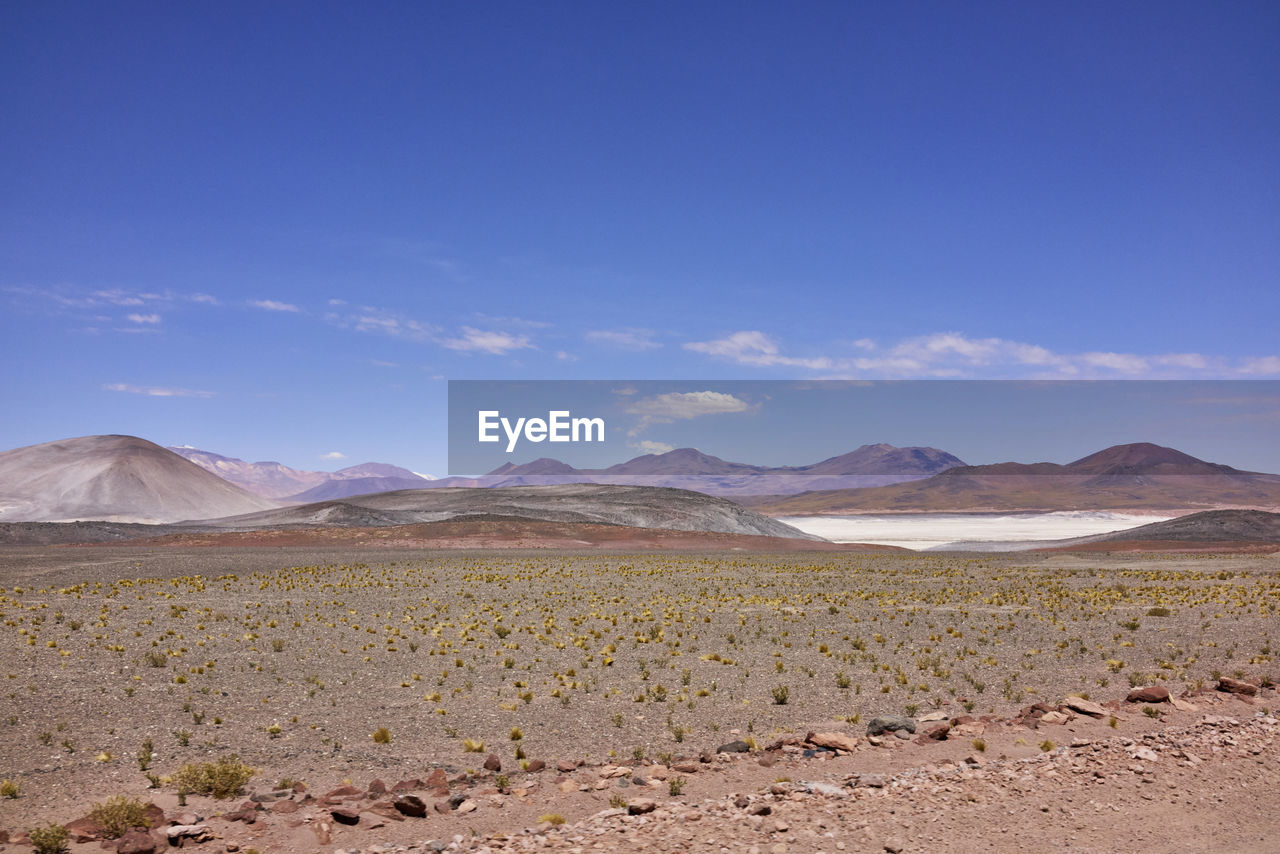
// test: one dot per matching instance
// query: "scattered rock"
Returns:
(467, 806)
(833, 741)
(890, 723)
(737, 746)
(1148, 694)
(686, 767)
(178, 833)
(759, 809)
(410, 805)
(535, 765)
(1085, 707)
(377, 789)
(410, 785)
(1235, 686)
(871, 781)
(1054, 718)
(84, 830)
(641, 806)
(136, 841)
(345, 815)
(492, 763)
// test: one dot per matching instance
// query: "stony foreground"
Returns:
(1202, 785)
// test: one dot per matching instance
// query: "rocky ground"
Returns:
(603, 684)
(1197, 778)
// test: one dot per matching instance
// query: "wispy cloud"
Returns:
(751, 347)
(156, 391)
(145, 318)
(624, 339)
(679, 406)
(954, 354)
(333, 455)
(273, 305)
(647, 446)
(472, 340)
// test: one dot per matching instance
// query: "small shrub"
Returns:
(145, 754)
(618, 802)
(1113, 722)
(118, 813)
(552, 818)
(9, 789)
(51, 839)
(979, 745)
(1046, 745)
(381, 735)
(675, 786)
(221, 779)
(471, 745)
(780, 695)
(1151, 711)
(1158, 611)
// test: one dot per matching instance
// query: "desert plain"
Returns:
(586, 680)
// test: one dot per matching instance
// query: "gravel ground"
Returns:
(595, 658)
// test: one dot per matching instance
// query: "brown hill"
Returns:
(689, 468)
(113, 478)
(1141, 476)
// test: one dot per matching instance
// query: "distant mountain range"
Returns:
(277, 481)
(689, 468)
(1135, 477)
(113, 478)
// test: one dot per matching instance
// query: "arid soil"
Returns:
(293, 658)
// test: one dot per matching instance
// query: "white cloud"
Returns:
(145, 318)
(677, 406)
(646, 446)
(156, 391)
(378, 320)
(954, 354)
(565, 356)
(333, 455)
(1261, 365)
(273, 305)
(750, 347)
(624, 339)
(484, 341)
(206, 299)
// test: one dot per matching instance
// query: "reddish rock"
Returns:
(410, 785)
(492, 763)
(1148, 694)
(136, 841)
(377, 789)
(283, 807)
(386, 809)
(686, 767)
(767, 761)
(437, 783)
(565, 766)
(345, 815)
(84, 830)
(4, 837)
(833, 741)
(410, 805)
(759, 809)
(443, 807)
(1085, 707)
(535, 766)
(1235, 686)
(937, 732)
(343, 792)
(641, 806)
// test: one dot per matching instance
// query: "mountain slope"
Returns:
(113, 478)
(637, 506)
(1136, 477)
(274, 480)
(689, 468)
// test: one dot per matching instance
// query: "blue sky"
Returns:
(275, 230)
